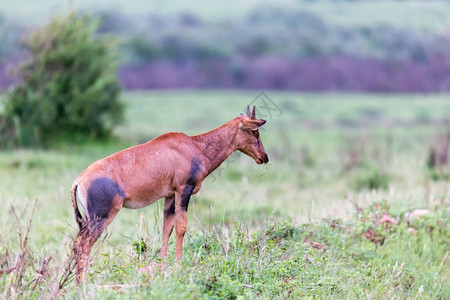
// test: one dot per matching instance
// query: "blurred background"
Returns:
(355, 94)
(364, 46)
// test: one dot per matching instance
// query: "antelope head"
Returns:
(248, 139)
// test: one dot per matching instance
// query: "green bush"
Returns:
(372, 180)
(68, 87)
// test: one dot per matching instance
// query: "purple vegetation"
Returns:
(335, 73)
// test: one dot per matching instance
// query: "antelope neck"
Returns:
(216, 145)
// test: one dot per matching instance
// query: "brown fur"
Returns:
(161, 168)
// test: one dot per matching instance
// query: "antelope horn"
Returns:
(253, 113)
(248, 110)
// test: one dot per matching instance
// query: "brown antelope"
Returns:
(171, 166)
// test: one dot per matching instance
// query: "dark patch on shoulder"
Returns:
(190, 183)
(100, 196)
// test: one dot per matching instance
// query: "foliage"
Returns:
(300, 45)
(69, 85)
(372, 180)
(279, 48)
(438, 159)
(139, 246)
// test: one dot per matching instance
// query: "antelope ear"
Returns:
(252, 124)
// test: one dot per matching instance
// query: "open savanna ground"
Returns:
(325, 218)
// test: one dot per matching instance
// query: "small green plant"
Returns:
(68, 86)
(372, 180)
(376, 222)
(437, 162)
(140, 246)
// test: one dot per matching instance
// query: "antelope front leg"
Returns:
(181, 205)
(168, 223)
(181, 225)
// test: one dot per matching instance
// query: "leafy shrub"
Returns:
(372, 180)
(68, 86)
(438, 159)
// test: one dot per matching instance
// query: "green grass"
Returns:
(251, 229)
(331, 259)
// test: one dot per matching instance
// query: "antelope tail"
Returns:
(78, 217)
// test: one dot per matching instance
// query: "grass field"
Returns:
(286, 230)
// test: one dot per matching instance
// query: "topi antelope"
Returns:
(171, 166)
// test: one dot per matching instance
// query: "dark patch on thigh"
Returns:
(100, 196)
(171, 210)
(190, 184)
